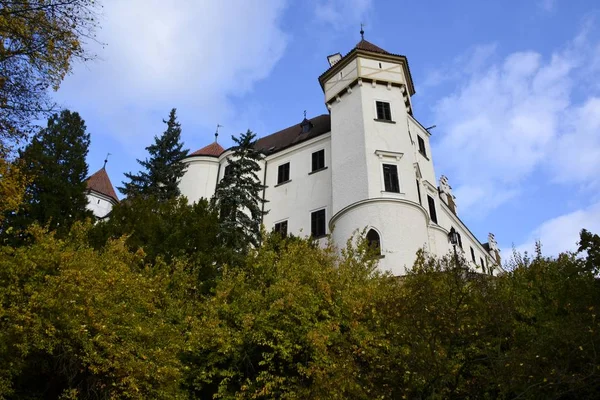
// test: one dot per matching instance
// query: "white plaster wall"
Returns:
(200, 178)
(99, 205)
(342, 79)
(388, 72)
(402, 227)
(425, 163)
(306, 192)
(348, 154)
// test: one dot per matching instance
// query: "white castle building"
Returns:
(367, 164)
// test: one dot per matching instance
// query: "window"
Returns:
(459, 241)
(421, 146)
(390, 178)
(419, 191)
(281, 228)
(317, 223)
(228, 170)
(473, 255)
(283, 174)
(318, 160)
(374, 240)
(482, 264)
(383, 110)
(432, 212)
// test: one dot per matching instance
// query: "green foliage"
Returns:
(168, 230)
(164, 169)
(81, 323)
(590, 243)
(55, 163)
(238, 196)
(40, 41)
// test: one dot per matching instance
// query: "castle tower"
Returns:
(382, 174)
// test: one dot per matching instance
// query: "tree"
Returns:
(164, 169)
(91, 324)
(39, 41)
(238, 196)
(166, 230)
(12, 185)
(55, 161)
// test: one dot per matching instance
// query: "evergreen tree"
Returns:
(164, 167)
(55, 163)
(238, 196)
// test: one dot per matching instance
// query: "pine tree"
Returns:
(238, 196)
(164, 167)
(55, 163)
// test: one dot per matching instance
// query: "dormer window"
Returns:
(384, 112)
(306, 126)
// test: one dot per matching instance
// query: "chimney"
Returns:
(446, 194)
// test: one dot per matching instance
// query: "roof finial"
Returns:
(106, 160)
(217, 132)
(304, 114)
(362, 31)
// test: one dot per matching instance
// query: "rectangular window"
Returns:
(390, 178)
(419, 191)
(283, 174)
(482, 264)
(473, 255)
(317, 223)
(421, 146)
(432, 212)
(281, 228)
(318, 160)
(383, 110)
(227, 171)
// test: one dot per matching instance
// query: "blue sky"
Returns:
(511, 85)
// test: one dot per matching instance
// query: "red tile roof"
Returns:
(368, 46)
(100, 182)
(212, 150)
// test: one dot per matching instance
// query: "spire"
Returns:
(362, 31)
(106, 160)
(217, 132)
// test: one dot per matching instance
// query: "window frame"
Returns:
(279, 174)
(433, 210)
(389, 109)
(383, 177)
(312, 161)
(279, 225)
(314, 220)
(379, 247)
(423, 149)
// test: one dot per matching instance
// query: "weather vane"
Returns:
(217, 132)
(106, 160)
(362, 31)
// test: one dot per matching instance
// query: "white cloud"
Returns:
(547, 5)
(561, 233)
(341, 13)
(189, 54)
(508, 119)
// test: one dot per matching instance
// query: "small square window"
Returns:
(318, 160)
(281, 228)
(390, 178)
(383, 110)
(283, 173)
(317, 224)
(433, 214)
(422, 146)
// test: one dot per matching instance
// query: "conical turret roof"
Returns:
(212, 150)
(99, 182)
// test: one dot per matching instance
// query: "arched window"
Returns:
(374, 240)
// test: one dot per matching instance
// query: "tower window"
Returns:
(318, 160)
(281, 228)
(422, 146)
(374, 241)
(390, 178)
(473, 255)
(228, 170)
(432, 212)
(384, 111)
(317, 223)
(283, 173)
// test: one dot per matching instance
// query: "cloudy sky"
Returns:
(513, 87)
